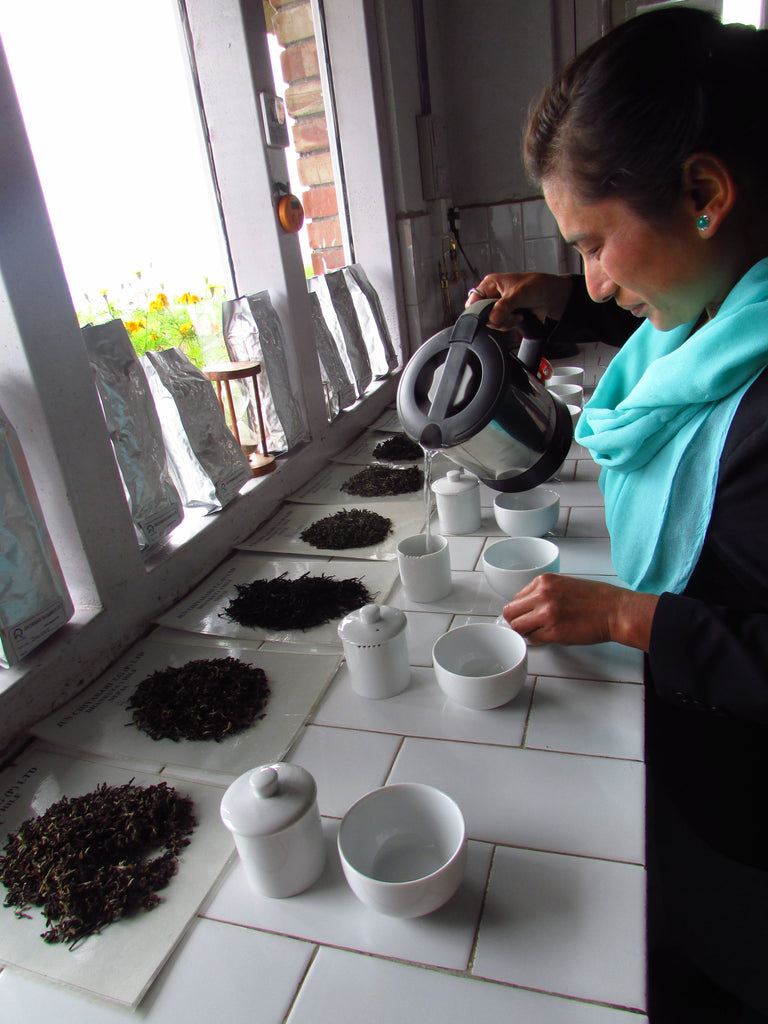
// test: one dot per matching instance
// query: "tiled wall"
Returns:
(503, 237)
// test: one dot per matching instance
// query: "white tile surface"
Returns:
(586, 716)
(586, 522)
(218, 973)
(538, 221)
(593, 661)
(465, 550)
(423, 710)
(591, 806)
(565, 924)
(330, 913)
(581, 492)
(585, 556)
(542, 255)
(346, 988)
(345, 763)
(470, 593)
(505, 225)
(421, 631)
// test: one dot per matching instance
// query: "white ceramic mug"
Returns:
(567, 375)
(425, 572)
(571, 394)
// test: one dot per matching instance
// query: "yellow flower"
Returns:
(189, 298)
(161, 299)
(132, 326)
(185, 329)
(154, 335)
(155, 306)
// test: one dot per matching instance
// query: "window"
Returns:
(119, 150)
(46, 386)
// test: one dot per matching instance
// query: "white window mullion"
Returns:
(232, 57)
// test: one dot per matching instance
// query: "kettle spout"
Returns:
(431, 437)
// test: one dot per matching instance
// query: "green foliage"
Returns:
(154, 321)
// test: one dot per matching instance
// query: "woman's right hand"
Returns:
(546, 295)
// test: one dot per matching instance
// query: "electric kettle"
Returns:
(465, 394)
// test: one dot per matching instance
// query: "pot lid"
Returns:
(372, 624)
(455, 481)
(268, 799)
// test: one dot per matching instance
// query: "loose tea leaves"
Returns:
(201, 700)
(302, 603)
(398, 448)
(380, 480)
(347, 528)
(84, 861)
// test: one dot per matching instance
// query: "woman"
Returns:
(651, 151)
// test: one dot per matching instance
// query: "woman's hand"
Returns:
(556, 609)
(545, 294)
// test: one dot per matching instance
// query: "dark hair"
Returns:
(626, 114)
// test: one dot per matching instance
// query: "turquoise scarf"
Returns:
(657, 423)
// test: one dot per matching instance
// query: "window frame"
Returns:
(46, 388)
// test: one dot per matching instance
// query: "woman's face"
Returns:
(664, 272)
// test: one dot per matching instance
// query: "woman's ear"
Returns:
(710, 189)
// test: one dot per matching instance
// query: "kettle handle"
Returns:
(533, 331)
(531, 327)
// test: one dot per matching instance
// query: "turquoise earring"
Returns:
(703, 222)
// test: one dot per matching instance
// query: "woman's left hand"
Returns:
(556, 609)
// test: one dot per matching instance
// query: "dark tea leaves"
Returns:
(201, 700)
(376, 481)
(347, 528)
(302, 603)
(398, 448)
(85, 861)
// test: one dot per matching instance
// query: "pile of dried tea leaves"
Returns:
(206, 699)
(376, 481)
(302, 603)
(84, 861)
(347, 528)
(398, 448)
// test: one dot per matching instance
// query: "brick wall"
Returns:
(291, 22)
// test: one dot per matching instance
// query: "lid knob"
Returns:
(265, 782)
(370, 613)
(455, 474)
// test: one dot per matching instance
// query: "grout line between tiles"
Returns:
(300, 983)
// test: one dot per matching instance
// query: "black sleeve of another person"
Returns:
(586, 321)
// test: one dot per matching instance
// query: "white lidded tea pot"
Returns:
(273, 815)
(458, 502)
(375, 648)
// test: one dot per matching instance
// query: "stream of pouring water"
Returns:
(428, 457)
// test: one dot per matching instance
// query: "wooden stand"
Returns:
(220, 374)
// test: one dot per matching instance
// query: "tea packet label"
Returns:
(22, 638)
(35, 601)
